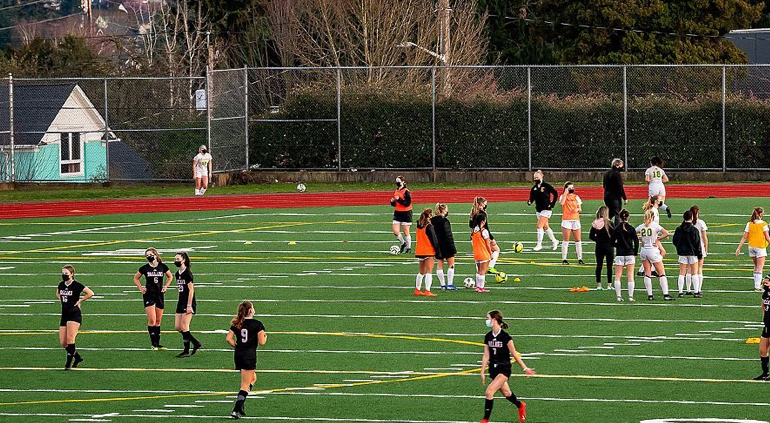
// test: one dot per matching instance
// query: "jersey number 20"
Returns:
(646, 231)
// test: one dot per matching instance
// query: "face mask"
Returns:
(151, 258)
(485, 207)
(65, 277)
(571, 190)
(178, 263)
(204, 151)
(447, 214)
(489, 323)
(537, 181)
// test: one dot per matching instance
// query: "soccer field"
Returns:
(347, 339)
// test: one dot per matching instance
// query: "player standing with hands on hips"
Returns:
(68, 293)
(153, 293)
(498, 348)
(202, 170)
(402, 216)
(544, 196)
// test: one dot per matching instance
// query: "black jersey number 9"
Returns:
(244, 335)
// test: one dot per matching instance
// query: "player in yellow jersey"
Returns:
(756, 233)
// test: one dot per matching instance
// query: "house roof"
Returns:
(34, 109)
(126, 163)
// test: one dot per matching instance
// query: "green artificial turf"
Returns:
(319, 297)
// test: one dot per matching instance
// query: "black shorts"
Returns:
(181, 307)
(766, 332)
(245, 360)
(73, 315)
(498, 369)
(402, 216)
(154, 299)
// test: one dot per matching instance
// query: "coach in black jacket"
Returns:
(614, 194)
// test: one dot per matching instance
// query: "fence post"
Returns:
(246, 110)
(724, 119)
(529, 116)
(433, 112)
(208, 108)
(10, 127)
(339, 120)
(625, 117)
(106, 133)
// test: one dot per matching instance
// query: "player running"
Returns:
(482, 249)
(244, 335)
(626, 244)
(652, 253)
(202, 170)
(426, 251)
(153, 293)
(402, 216)
(704, 246)
(757, 233)
(185, 305)
(446, 242)
(544, 196)
(68, 293)
(480, 207)
(571, 205)
(656, 177)
(601, 234)
(764, 340)
(498, 348)
(688, 247)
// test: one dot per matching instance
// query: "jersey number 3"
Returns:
(244, 335)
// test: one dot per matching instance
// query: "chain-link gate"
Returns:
(228, 120)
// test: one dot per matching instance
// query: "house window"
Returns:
(71, 157)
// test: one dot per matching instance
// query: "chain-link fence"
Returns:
(696, 117)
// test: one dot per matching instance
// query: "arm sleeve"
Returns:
(431, 233)
(407, 200)
(636, 242)
(677, 237)
(552, 191)
(620, 187)
(448, 231)
(532, 195)
(593, 235)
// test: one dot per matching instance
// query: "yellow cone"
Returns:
(517, 280)
(292, 243)
(247, 242)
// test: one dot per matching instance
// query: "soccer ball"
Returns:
(518, 247)
(301, 187)
(501, 277)
(469, 283)
(395, 250)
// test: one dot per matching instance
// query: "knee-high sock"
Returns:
(418, 281)
(540, 233)
(700, 282)
(663, 206)
(440, 275)
(579, 249)
(757, 280)
(203, 190)
(151, 331)
(408, 241)
(515, 401)
(450, 275)
(428, 281)
(197, 192)
(631, 286)
(71, 351)
(551, 236)
(564, 249)
(618, 289)
(186, 341)
(493, 260)
(695, 283)
(680, 283)
(157, 335)
(648, 284)
(664, 284)
(480, 282)
(641, 268)
(488, 403)
(400, 238)
(240, 400)
(688, 280)
(764, 361)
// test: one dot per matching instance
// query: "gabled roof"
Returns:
(34, 109)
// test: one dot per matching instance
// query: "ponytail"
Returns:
(649, 216)
(757, 214)
(185, 258)
(425, 218)
(478, 205)
(496, 315)
(650, 202)
(243, 311)
(623, 215)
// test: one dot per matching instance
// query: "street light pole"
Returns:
(445, 44)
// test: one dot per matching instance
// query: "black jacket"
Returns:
(486, 225)
(613, 184)
(446, 240)
(625, 240)
(687, 240)
(544, 196)
(601, 237)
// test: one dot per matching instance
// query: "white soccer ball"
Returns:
(301, 187)
(469, 283)
(395, 250)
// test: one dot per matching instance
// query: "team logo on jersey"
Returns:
(542, 189)
(495, 344)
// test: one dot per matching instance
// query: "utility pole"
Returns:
(445, 46)
(209, 86)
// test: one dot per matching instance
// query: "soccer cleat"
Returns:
(763, 376)
(654, 274)
(418, 293)
(523, 412)
(492, 270)
(599, 288)
(757, 290)
(668, 298)
(234, 415)
(67, 368)
(183, 355)
(650, 298)
(160, 348)
(688, 293)
(403, 247)
(196, 347)
(408, 250)
(481, 290)
(484, 420)
(555, 245)
(242, 411)
(698, 295)
(580, 261)
(564, 262)
(78, 360)
(154, 348)
(451, 288)
(610, 287)
(538, 247)
(429, 294)
(681, 294)
(443, 287)
(640, 273)
(631, 299)
(620, 299)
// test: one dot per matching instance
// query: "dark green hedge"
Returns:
(382, 131)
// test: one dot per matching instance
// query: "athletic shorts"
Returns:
(688, 259)
(245, 360)
(73, 315)
(757, 252)
(657, 189)
(482, 261)
(766, 332)
(154, 299)
(423, 258)
(181, 307)
(201, 175)
(651, 254)
(572, 225)
(497, 369)
(545, 213)
(404, 218)
(625, 260)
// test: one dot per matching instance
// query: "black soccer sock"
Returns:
(192, 339)
(515, 401)
(240, 400)
(186, 339)
(765, 361)
(151, 331)
(71, 351)
(488, 408)
(157, 335)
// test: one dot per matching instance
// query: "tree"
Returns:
(510, 42)
(69, 56)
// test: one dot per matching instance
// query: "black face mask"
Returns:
(151, 258)
(537, 181)
(178, 263)
(204, 151)
(447, 214)
(485, 207)
(571, 190)
(65, 277)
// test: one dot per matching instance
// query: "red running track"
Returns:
(282, 201)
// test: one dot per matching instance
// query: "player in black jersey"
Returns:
(764, 340)
(152, 293)
(244, 335)
(498, 348)
(68, 293)
(185, 305)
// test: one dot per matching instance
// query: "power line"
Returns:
(39, 22)
(22, 5)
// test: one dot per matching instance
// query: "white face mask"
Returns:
(489, 323)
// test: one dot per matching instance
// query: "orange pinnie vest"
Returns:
(424, 247)
(481, 250)
(399, 194)
(570, 208)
